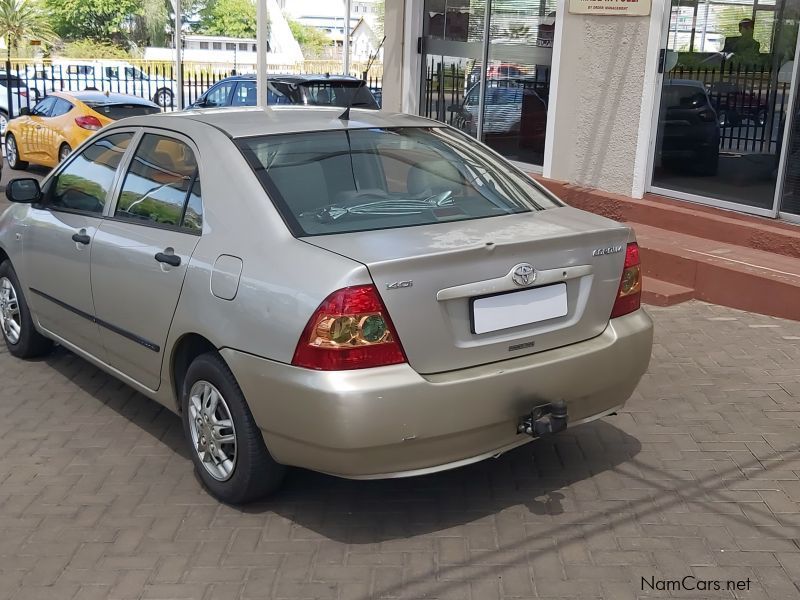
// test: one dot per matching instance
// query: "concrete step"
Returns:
(663, 293)
(729, 227)
(720, 273)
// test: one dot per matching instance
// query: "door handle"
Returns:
(81, 238)
(171, 259)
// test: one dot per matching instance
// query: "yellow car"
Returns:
(47, 133)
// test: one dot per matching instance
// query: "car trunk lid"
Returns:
(429, 278)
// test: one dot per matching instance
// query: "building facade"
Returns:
(693, 99)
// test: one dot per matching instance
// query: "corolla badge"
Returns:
(609, 250)
(523, 274)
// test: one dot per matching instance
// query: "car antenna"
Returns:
(345, 116)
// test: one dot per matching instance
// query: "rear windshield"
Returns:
(120, 111)
(322, 93)
(366, 179)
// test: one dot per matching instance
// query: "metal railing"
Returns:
(158, 82)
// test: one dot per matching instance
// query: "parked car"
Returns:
(115, 76)
(19, 97)
(47, 133)
(689, 126)
(374, 297)
(734, 104)
(511, 108)
(311, 90)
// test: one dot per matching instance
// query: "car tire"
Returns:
(164, 97)
(26, 342)
(12, 154)
(208, 421)
(63, 152)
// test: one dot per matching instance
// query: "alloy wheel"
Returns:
(213, 433)
(3, 123)
(63, 153)
(10, 318)
(11, 149)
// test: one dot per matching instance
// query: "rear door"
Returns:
(141, 253)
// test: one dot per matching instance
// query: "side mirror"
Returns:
(24, 111)
(199, 103)
(23, 191)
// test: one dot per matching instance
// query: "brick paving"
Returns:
(698, 476)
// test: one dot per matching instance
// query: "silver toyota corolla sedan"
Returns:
(372, 296)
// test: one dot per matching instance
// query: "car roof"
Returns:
(255, 121)
(306, 78)
(96, 97)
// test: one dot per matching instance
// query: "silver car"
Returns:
(379, 296)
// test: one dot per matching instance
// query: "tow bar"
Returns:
(545, 419)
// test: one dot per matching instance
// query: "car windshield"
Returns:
(120, 111)
(359, 180)
(322, 93)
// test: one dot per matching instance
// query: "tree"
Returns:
(22, 21)
(312, 41)
(99, 20)
(232, 18)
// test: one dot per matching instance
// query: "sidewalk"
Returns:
(692, 251)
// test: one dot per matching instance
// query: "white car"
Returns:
(103, 75)
(19, 97)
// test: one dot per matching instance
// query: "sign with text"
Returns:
(622, 8)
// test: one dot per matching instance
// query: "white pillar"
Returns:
(262, 38)
(178, 57)
(346, 45)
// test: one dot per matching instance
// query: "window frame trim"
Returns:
(125, 165)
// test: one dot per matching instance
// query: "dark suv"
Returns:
(314, 90)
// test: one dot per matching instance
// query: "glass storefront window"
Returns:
(518, 78)
(518, 42)
(724, 103)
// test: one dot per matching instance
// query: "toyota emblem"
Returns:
(523, 274)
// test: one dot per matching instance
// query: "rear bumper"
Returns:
(392, 421)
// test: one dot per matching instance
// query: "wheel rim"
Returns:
(11, 149)
(10, 319)
(163, 98)
(64, 153)
(3, 123)
(213, 433)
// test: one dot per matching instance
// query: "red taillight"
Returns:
(629, 296)
(89, 122)
(351, 329)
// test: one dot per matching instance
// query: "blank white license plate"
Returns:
(519, 308)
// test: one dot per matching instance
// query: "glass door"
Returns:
(504, 104)
(453, 33)
(724, 101)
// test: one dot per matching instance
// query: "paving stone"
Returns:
(699, 474)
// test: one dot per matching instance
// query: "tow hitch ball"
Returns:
(545, 419)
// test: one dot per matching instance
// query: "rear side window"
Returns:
(160, 181)
(245, 94)
(359, 180)
(61, 107)
(84, 183)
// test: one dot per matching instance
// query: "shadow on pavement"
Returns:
(363, 512)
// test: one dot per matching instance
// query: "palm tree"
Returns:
(22, 21)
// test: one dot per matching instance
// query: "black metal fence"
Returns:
(30, 83)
